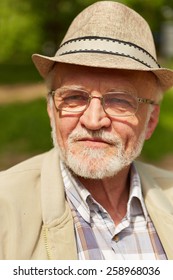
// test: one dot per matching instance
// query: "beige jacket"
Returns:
(36, 221)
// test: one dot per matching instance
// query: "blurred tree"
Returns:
(20, 30)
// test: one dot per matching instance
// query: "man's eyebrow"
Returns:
(74, 86)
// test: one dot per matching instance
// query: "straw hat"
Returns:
(108, 34)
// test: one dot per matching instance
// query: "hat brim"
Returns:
(44, 64)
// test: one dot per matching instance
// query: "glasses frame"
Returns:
(139, 100)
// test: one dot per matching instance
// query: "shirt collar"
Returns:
(135, 193)
(82, 199)
(76, 192)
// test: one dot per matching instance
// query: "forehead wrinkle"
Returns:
(102, 79)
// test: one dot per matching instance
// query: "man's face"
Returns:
(92, 143)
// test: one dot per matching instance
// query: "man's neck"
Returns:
(112, 193)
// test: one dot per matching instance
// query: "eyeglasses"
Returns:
(115, 103)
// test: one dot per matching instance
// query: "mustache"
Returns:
(102, 135)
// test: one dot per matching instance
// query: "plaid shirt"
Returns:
(97, 237)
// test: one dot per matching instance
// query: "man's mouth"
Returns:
(94, 142)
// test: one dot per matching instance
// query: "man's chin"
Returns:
(92, 168)
(96, 163)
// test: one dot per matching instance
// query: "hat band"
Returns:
(108, 46)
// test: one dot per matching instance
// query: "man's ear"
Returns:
(153, 121)
(50, 112)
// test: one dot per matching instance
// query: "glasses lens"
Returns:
(71, 100)
(120, 104)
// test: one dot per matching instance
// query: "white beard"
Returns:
(97, 163)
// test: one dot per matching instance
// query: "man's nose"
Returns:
(94, 117)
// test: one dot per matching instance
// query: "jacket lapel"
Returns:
(58, 230)
(159, 206)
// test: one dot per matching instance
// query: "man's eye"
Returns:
(75, 98)
(120, 101)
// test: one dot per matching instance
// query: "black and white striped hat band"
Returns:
(91, 44)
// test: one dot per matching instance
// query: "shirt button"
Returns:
(116, 238)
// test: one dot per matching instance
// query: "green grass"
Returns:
(18, 73)
(25, 130)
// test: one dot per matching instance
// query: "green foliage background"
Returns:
(29, 26)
